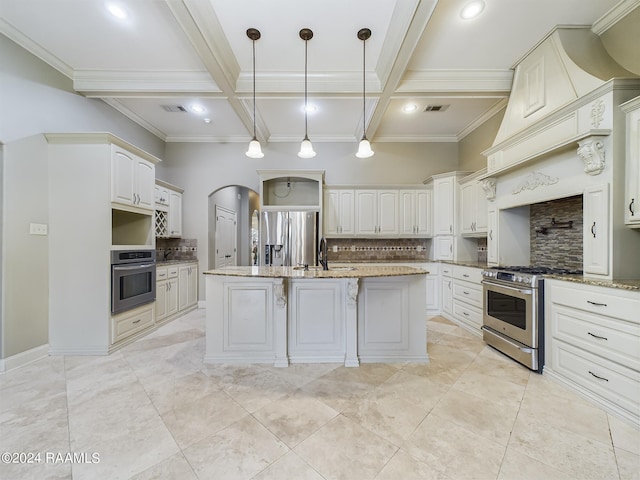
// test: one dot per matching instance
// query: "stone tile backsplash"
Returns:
(378, 250)
(185, 249)
(559, 247)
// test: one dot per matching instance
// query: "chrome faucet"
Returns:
(322, 254)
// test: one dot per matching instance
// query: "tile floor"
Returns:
(153, 411)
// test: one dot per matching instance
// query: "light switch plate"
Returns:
(38, 229)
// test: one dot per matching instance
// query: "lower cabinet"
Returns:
(447, 290)
(462, 296)
(433, 288)
(131, 322)
(593, 343)
(176, 290)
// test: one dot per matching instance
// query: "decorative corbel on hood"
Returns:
(591, 151)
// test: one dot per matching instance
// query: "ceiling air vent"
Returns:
(436, 108)
(174, 108)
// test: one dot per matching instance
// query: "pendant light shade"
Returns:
(364, 148)
(255, 150)
(306, 149)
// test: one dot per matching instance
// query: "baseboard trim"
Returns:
(24, 358)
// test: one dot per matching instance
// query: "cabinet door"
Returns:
(424, 225)
(192, 294)
(175, 214)
(366, 212)
(346, 217)
(122, 176)
(145, 177)
(388, 223)
(468, 207)
(408, 212)
(482, 210)
(331, 212)
(444, 208)
(161, 300)
(172, 296)
(447, 295)
(492, 236)
(632, 201)
(183, 288)
(596, 230)
(444, 247)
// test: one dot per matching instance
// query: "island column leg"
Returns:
(280, 319)
(351, 357)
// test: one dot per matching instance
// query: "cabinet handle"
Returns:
(597, 304)
(490, 234)
(593, 229)
(466, 293)
(598, 377)
(631, 207)
(465, 275)
(451, 248)
(450, 228)
(136, 321)
(465, 314)
(597, 336)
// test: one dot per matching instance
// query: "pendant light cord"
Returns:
(364, 110)
(306, 112)
(254, 89)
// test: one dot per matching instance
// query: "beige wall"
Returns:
(470, 148)
(622, 41)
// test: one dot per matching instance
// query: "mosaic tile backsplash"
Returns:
(378, 250)
(559, 247)
(184, 249)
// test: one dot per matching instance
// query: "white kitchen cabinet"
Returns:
(175, 214)
(473, 209)
(444, 246)
(416, 213)
(168, 210)
(632, 198)
(492, 236)
(444, 193)
(596, 230)
(377, 212)
(447, 289)
(132, 179)
(592, 337)
(166, 292)
(162, 198)
(187, 286)
(131, 322)
(338, 212)
(433, 288)
(467, 297)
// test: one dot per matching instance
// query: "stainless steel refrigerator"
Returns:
(288, 238)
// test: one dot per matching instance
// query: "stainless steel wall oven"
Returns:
(133, 279)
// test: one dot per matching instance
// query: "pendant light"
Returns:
(306, 149)
(255, 151)
(364, 148)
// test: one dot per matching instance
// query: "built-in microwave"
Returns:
(133, 279)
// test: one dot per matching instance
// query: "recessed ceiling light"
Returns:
(195, 108)
(410, 108)
(472, 10)
(117, 11)
(207, 120)
(311, 108)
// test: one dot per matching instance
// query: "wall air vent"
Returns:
(436, 108)
(174, 108)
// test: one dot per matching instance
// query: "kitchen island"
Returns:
(347, 314)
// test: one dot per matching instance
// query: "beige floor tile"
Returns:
(453, 450)
(36, 471)
(489, 387)
(299, 374)
(175, 392)
(174, 467)
(441, 327)
(342, 449)
(404, 466)
(194, 420)
(624, 436)
(254, 390)
(337, 394)
(499, 366)
(295, 417)
(628, 465)
(289, 466)
(446, 365)
(240, 451)
(492, 420)
(466, 343)
(518, 466)
(576, 455)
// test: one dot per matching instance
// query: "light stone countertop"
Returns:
(164, 263)
(337, 271)
(633, 285)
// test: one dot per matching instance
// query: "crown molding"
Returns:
(415, 139)
(614, 15)
(499, 106)
(87, 81)
(207, 139)
(456, 81)
(134, 117)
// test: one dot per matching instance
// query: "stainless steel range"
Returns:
(513, 312)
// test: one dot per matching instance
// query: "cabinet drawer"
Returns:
(161, 274)
(172, 271)
(447, 270)
(611, 381)
(599, 300)
(467, 292)
(467, 313)
(127, 324)
(615, 340)
(468, 274)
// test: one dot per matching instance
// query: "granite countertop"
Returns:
(633, 285)
(161, 263)
(464, 263)
(317, 272)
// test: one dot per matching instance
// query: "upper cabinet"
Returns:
(168, 220)
(291, 190)
(132, 179)
(415, 213)
(473, 207)
(444, 192)
(376, 212)
(338, 212)
(632, 199)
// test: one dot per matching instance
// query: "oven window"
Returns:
(509, 309)
(132, 285)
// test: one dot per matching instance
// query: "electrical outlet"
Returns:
(38, 229)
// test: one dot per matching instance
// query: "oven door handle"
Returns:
(132, 267)
(504, 339)
(513, 289)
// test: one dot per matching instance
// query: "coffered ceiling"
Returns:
(174, 54)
